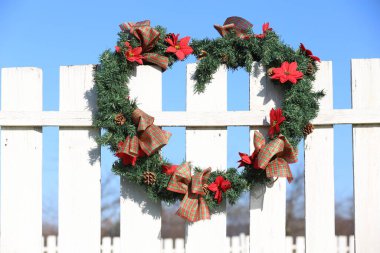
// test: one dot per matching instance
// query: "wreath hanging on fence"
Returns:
(133, 137)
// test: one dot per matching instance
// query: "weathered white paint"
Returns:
(300, 244)
(188, 119)
(21, 164)
(207, 147)
(79, 167)
(267, 205)
(365, 94)
(319, 175)
(137, 212)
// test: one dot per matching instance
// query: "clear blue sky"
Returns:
(48, 34)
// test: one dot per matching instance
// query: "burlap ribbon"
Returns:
(275, 156)
(148, 38)
(238, 25)
(150, 138)
(193, 206)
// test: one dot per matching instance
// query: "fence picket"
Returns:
(300, 244)
(51, 245)
(365, 94)
(106, 245)
(341, 244)
(267, 210)
(136, 210)
(289, 244)
(79, 167)
(21, 164)
(207, 147)
(116, 245)
(319, 200)
(179, 245)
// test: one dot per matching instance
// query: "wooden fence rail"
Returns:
(234, 244)
(206, 120)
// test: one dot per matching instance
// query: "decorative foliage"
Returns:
(132, 136)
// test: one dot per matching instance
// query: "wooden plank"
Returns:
(319, 201)
(267, 205)
(79, 167)
(300, 244)
(116, 245)
(289, 244)
(188, 119)
(168, 245)
(365, 95)
(21, 164)
(207, 147)
(179, 245)
(351, 244)
(51, 244)
(136, 209)
(342, 243)
(106, 245)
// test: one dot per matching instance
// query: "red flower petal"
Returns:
(219, 180)
(225, 185)
(315, 58)
(302, 47)
(168, 169)
(187, 50)
(117, 49)
(171, 49)
(213, 187)
(184, 41)
(292, 67)
(180, 55)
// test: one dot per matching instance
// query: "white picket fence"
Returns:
(206, 119)
(234, 244)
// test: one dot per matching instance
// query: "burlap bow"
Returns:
(237, 24)
(275, 156)
(193, 206)
(150, 138)
(148, 38)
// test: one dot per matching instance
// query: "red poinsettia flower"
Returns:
(276, 119)
(128, 159)
(265, 29)
(134, 55)
(218, 186)
(287, 72)
(117, 49)
(249, 160)
(168, 169)
(309, 53)
(178, 47)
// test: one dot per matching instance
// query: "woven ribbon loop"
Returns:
(148, 37)
(193, 206)
(238, 25)
(150, 138)
(275, 156)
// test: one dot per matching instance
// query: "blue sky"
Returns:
(48, 34)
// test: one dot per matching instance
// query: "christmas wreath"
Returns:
(136, 141)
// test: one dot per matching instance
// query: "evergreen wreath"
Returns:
(133, 137)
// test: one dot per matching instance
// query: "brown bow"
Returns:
(193, 206)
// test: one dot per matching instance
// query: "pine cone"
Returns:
(149, 177)
(224, 58)
(205, 188)
(202, 55)
(270, 71)
(308, 129)
(310, 69)
(120, 119)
